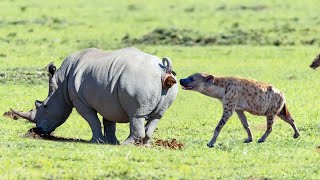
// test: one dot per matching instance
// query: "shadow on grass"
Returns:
(34, 134)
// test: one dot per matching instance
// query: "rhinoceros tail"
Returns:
(167, 63)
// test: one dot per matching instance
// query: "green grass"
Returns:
(33, 33)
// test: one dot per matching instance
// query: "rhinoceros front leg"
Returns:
(110, 131)
(90, 115)
(150, 127)
(137, 132)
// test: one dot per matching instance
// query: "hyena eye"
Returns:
(192, 79)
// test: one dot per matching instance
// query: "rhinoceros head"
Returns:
(50, 113)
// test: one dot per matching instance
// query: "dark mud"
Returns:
(42, 20)
(242, 8)
(234, 35)
(24, 75)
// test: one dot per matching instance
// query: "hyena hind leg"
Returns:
(270, 120)
(285, 115)
(245, 125)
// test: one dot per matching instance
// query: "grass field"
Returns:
(272, 41)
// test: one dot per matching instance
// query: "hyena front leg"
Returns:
(228, 108)
(270, 119)
(245, 125)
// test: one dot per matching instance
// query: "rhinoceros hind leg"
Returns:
(150, 127)
(110, 132)
(137, 131)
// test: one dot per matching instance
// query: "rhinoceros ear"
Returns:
(51, 68)
(38, 103)
(169, 81)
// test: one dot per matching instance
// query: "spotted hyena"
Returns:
(316, 62)
(239, 95)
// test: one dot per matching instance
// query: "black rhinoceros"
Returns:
(125, 85)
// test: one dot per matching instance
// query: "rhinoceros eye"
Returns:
(45, 106)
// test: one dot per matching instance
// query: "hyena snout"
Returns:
(183, 82)
(186, 84)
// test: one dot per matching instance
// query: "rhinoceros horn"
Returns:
(26, 115)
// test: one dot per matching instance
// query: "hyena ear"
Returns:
(209, 79)
(169, 81)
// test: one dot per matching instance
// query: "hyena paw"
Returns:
(249, 140)
(296, 135)
(210, 145)
(261, 140)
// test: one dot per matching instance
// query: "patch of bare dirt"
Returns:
(170, 144)
(11, 115)
(261, 126)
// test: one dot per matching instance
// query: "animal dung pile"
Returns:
(11, 115)
(173, 144)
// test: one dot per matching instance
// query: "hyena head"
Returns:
(197, 82)
(316, 62)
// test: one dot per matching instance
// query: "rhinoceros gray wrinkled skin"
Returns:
(125, 85)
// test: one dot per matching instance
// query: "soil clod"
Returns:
(11, 115)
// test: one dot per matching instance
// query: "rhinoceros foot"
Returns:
(112, 140)
(132, 141)
(98, 140)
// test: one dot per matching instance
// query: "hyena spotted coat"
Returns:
(239, 95)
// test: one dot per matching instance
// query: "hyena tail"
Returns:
(285, 112)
